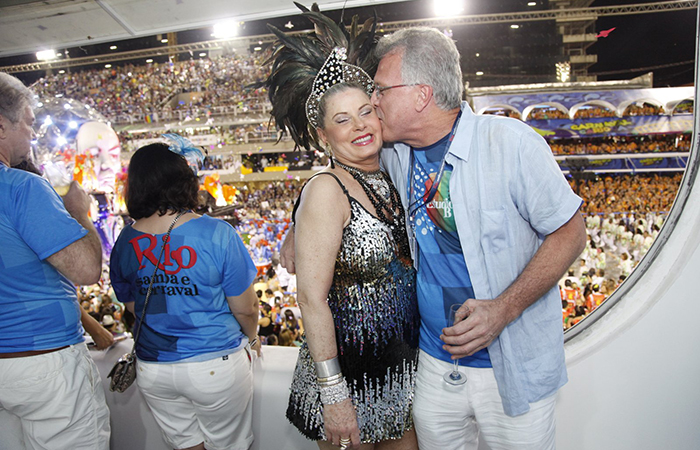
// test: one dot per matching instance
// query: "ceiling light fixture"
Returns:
(46, 55)
(226, 29)
(445, 8)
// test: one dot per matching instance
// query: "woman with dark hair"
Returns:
(160, 182)
(200, 322)
(265, 322)
(292, 324)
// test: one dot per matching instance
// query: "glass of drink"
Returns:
(454, 376)
(59, 175)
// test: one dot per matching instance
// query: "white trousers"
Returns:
(208, 401)
(57, 398)
(450, 417)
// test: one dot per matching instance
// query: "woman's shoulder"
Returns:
(327, 183)
(324, 199)
(213, 229)
(208, 222)
(324, 188)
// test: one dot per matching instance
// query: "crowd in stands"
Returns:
(591, 112)
(623, 216)
(622, 144)
(100, 303)
(183, 90)
(304, 160)
(684, 107)
(264, 217)
(647, 109)
(616, 243)
(300, 160)
(504, 112)
(546, 113)
(280, 321)
(221, 135)
(268, 199)
(219, 162)
(640, 193)
(150, 90)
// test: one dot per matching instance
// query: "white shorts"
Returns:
(450, 417)
(194, 402)
(57, 398)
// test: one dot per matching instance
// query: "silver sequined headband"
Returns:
(335, 70)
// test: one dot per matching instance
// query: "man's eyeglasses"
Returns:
(379, 90)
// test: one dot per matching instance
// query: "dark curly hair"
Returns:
(159, 181)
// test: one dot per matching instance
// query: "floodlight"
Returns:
(226, 29)
(46, 55)
(445, 8)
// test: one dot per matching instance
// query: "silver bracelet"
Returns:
(327, 368)
(331, 395)
(330, 381)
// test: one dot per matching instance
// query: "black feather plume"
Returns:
(296, 59)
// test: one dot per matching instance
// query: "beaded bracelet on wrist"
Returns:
(331, 395)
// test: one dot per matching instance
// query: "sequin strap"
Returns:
(296, 203)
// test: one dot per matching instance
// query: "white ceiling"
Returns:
(27, 26)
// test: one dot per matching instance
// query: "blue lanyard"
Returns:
(412, 208)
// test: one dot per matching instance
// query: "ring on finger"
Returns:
(344, 443)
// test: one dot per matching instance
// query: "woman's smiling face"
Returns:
(351, 127)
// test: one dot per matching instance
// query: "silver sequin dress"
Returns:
(375, 310)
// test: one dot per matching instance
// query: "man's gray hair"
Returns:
(14, 96)
(429, 57)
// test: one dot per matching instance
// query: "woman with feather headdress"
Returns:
(354, 379)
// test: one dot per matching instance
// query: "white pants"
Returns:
(57, 398)
(450, 417)
(194, 402)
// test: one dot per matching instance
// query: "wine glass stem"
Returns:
(456, 365)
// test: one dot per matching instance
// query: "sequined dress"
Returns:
(375, 311)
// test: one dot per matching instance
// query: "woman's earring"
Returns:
(329, 151)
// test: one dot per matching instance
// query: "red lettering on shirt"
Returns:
(173, 260)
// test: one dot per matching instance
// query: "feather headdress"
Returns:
(298, 59)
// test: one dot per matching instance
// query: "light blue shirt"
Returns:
(508, 193)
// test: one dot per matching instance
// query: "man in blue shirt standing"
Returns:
(494, 225)
(48, 381)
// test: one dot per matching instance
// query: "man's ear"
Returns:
(4, 124)
(423, 97)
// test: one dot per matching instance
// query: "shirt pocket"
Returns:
(495, 234)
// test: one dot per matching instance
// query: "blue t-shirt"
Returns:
(188, 317)
(38, 305)
(443, 278)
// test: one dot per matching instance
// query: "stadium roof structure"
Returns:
(26, 25)
(503, 42)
